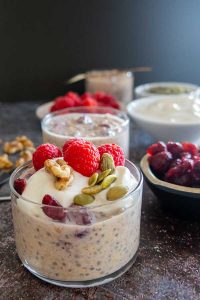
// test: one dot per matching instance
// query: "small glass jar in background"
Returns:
(115, 82)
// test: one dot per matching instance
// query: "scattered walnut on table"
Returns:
(25, 141)
(12, 147)
(5, 163)
(25, 156)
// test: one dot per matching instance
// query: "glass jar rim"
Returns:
(109, 73)
(134, 189)
(117, 113)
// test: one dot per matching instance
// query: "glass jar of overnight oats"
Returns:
(93, 246)
(115, 82)
(99, 125)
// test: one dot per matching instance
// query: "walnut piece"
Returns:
(62, 183)
(12, 147)
(20, 143)
(58, 168)
(61, 171)
(25, 141)
(5, 163)
(25, 156)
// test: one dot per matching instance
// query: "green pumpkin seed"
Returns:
(83, 199)
(93, 179)
(108, 181)
(107, 162)
(92, 190)
(103, 174)
(116, 192)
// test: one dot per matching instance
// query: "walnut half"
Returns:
(5, 163)
(61, 171)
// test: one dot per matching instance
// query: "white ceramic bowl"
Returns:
(163, 129)
(144, 89)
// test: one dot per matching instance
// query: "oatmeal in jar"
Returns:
(100, 127)
(85, 231)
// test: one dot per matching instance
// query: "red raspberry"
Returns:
(57, 212)
(44, 152)
(104, 99)
(115, 150)
(67, 143)
(89, 101)
(156, 148)
(82, 156)
(19, 185)
(86, 95)
(189, 147)
(62, 102)
(75, 97)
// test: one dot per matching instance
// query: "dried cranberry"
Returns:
(195, 179)
(185, 155)
(19, 185)
(175, 163)
(156, 148)
(186, 164)
(160, 162)
(197, 167)
(184, 180)
(189, 147)
(177, 176)
(53, 209)
(174, 148)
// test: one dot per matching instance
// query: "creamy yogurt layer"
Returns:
(172, 110)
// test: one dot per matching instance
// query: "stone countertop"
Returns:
(168, 262)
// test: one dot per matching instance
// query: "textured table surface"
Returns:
(168, 262)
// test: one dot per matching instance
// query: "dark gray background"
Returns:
(44, 42)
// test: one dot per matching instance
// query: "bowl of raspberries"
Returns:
(172, 171)
(72, 99)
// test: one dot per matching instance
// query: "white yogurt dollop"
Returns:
(42, 183)
(172, 110)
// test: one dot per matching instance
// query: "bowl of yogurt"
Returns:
(164, 88)
(76, 245)
(168, 118)
(99, 125)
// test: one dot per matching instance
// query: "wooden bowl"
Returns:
(180, 200)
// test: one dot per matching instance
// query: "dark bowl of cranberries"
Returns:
(172, 171)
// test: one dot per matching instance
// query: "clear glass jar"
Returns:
(100, 125)
(94, 245)
(115, 82)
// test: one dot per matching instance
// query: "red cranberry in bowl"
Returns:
(185, 155)
(175, 163)
(186, 164)
(156, 148)
(195, 179)
(175, 148)
(191, 148)
(197, 167)
(178, 176)
(160, 162)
